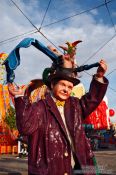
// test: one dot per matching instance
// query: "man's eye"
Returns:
(70, 87)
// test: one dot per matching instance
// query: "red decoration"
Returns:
(99, 117)
(111, 112)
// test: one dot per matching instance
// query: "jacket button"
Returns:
(65, 173)
(66, 154)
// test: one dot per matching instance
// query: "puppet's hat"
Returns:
(73, 44)
(70, 46)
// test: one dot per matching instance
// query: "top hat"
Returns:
(62, 74)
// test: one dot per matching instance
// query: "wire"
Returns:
(106, 2)
(110, 15)
(68, 18)
(93, 8)
(24, 15)
(50, 41)
(106, 76)
(44, 15)
(100, 48)
(38, 30)
(111, 72)
(112, 89)
(16, 37)
(35, 31)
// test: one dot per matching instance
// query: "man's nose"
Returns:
(65, 90)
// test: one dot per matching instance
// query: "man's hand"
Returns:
(15, 91)
(101, 69)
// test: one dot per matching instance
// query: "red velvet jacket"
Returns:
(49, 147)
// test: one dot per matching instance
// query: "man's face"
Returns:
(62, 89)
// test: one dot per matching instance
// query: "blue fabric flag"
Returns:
(13, 59)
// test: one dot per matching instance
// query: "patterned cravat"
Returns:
(59, 103)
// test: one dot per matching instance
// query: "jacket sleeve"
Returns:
(92, 99)
(28, 116)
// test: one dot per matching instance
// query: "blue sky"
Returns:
(94, 28)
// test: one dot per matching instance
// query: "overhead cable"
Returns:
(112, 89)
(24, 15)
(110, 15)
(35, 31)
(109, 87)
(50, 41)
(17, 37)
(111, 72)
(44, 15)
(77, 14)
(38, 30)
(100, 48)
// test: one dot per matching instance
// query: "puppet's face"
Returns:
(73, 52)
(62, 89)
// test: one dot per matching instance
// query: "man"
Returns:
(57, 144)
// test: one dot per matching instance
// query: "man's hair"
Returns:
(55, 81)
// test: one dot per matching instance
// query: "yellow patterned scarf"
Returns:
(59, 103)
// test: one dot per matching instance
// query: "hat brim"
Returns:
(61, 76)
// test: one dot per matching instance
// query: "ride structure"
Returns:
(8, 136)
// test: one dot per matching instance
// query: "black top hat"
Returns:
(62, 74)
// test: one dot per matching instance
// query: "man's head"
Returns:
(61, 83)
(61, 89)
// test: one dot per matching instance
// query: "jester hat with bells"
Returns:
(70, 51)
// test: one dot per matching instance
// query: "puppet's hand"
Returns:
(54, 50)
(101, 69)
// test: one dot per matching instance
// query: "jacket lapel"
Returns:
(53, 108)
(69, 116)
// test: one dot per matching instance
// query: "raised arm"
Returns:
(28, 116)
(97, 90)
